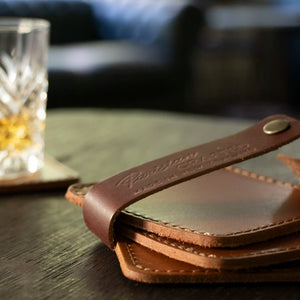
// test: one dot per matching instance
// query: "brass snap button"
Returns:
(276, 126)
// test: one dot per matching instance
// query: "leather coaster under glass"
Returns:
(54, 175)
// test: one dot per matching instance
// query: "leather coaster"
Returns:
(227, 208)
(235, 207)
(144, 265)
(275, 251)
(53, 175)
(258, 218)
(206, 220)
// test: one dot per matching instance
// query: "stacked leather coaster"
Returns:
(193, 217)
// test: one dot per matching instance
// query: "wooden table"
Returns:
(46, 251)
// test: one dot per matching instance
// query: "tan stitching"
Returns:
(191, 249)
(139, 265)
(240, 172)
(206, 233)
(132, 256)
(261, 177)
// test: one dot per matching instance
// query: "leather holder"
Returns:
(196, 208)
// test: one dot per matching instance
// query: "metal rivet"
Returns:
(276, 126)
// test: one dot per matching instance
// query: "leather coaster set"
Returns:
(193, 217)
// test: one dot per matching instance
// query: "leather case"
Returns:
(196, 218)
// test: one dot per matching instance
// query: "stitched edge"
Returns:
(198, 271)
(191, 250)
(139, 265)
(241, 172)
(132, 256)
(261, 177)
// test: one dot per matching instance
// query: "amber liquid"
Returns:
(15, 132)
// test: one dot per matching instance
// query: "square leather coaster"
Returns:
(54, 175)
(145, 265)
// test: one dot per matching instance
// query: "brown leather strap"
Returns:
(107, 199)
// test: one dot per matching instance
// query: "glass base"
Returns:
(20, 164)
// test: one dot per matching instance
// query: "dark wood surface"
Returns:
(46, 251)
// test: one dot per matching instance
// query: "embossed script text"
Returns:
(188, 164)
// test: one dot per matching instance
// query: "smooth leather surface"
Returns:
(104, 202)
(144, 265)
(227, 208)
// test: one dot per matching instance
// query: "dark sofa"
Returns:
(127, 53)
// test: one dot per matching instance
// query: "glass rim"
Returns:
(23, 25)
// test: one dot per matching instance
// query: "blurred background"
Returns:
(228, 58)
